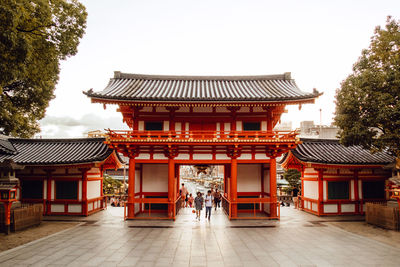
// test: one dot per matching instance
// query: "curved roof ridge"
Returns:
(58, 140)
(121, 75)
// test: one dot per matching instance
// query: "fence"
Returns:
(381, 215)
(23, 217)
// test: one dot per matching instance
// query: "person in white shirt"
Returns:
(209, 203)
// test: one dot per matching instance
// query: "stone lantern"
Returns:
(8, 189)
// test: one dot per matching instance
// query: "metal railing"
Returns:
(188, 136)
(258, 203)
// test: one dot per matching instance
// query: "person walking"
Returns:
(198, 204)
(217, 198)
(209, 203)
(295, 193)
(184, 193)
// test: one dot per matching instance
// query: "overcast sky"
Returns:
(317, 41)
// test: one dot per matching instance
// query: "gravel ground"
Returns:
(25, 236)
(389, 237)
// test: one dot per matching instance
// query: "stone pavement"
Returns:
(299, 239)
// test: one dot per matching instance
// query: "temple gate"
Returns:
(182, 120)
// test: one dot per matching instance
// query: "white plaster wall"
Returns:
(159, 156)
(183, 156)
(245, 156)
(311, 189)
(79, 190)
(266, 181)
(155, 177)
(260, 156)
(330, 208)
(348, 208)
(202, 156)
(143, 156)
(90, 206)
(352, 189)
(45, 189)
(267, 208)
(222, 156)
(137, 181)
(74, 208)
(314, 206)
(93, 189)
(166, 126)
(53, 186)
(178, 126)
(141, 125)
(360, 194)
(248, 177)
(325, 190)
(263, 126)
(227, 126)
(239, 126)
(57, 208)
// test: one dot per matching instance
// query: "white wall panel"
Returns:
(143, 156)
(80, 190)
(141, 125)
(202, 156)
(227, 126)
(45, 189)
(352, 190)
(159, 156)
(74, 208)
(245, 156)
(137, 181)
(93, 189)
(311, 189)
(239, 126)
(261, 156)
(348, 208)
(166, 126)
(325, 190)
(330, 208)
(155, 177)
(263, 126)
(222, 156)
(183, 156)
(248, 177)
(57, 208)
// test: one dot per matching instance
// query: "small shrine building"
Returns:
(338, 180)
(66, 175)
(188, 120)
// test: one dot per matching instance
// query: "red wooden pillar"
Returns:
(84, 192)
(262, 185)
(171, 185)
(320, 192)
(233, 185)
(302, 188)
(356, 194)
(272, 187)
(131, 188)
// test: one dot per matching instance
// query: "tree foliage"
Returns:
(367, 104)
(292, 176)
(110, 185)
(34, 36)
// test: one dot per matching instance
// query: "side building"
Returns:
(338, 180)
(64, 174)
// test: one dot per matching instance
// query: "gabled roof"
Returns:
(57, 151)
(328, 151)
(139, 87)
(6, 147)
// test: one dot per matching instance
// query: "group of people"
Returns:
(213, 198)
(117, 201)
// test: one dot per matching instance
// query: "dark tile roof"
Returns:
(202, 88)
(6, 147)
(332, 152)
(57, 151)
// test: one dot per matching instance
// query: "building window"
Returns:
(32, 189)
(66, 189)
(153, 126)
(338, 190)
(251, 126)
(373, 189)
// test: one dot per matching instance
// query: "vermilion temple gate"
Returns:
(224, 120)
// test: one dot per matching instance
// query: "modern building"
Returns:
(309, 130)
(338, 180)
(65, 175)
(189, 120)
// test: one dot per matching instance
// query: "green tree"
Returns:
(292, 176)
(110, 184)
(367, 104)
(34, 36)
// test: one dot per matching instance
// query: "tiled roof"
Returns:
(332, 152)
(57, 151)
(6, 147)
(202, 88)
